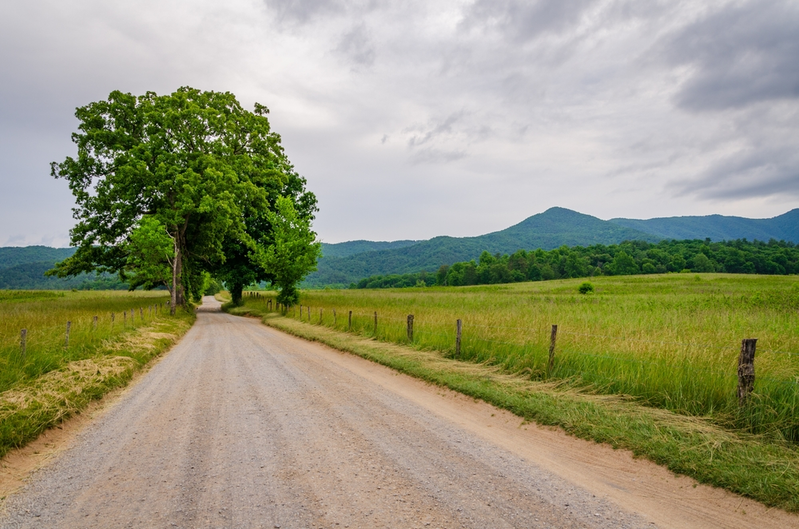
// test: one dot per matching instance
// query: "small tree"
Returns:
(293, 253)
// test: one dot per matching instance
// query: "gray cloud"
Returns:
(747, 174)
(357, 46)
(525, 20)
(423, 135)
(303, 11)
(744, 54)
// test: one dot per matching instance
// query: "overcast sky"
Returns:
(412, 119)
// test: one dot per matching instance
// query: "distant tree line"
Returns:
(628, 258)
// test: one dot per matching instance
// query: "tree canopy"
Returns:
(191, 169)
(627, 258)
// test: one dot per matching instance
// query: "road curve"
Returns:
(243, 426)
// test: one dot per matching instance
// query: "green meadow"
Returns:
(668, 341)
(44, 316)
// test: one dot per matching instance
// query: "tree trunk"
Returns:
(235, 293)
(177, 280)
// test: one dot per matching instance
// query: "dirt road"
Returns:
(242, 426)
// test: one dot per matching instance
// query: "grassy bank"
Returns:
(51, 380)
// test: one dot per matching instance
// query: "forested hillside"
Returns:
(720, 228)
(23, 268)
(553, 228)
(628, 258)
(345, 249)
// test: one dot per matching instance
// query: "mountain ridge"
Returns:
(550, 229)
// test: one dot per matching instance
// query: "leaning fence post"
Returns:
(746, 369)
(23, 338)
(458, 331)
(349, 322)
(410, 327)
(66, 343)
(552, 339)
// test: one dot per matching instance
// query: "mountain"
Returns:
(719, 228)
(550, 229)
(13, 255)
(24, 268)
(345, 249)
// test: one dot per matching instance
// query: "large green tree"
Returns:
(194, 162)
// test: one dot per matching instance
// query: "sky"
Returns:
(412, 118)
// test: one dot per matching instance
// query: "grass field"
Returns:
(668, 341)
(44, 315)
(52, 380)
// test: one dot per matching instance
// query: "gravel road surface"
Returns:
(243, 426)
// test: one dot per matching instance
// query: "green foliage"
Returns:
(292, 254)
(627, 258)
(585, 288)
(553, 229)
(194, 162)
(150, 252)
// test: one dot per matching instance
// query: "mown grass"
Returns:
(669, 341)
(52, 381)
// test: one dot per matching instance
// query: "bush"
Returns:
(585, 288)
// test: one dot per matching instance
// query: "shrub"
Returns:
(586, 287)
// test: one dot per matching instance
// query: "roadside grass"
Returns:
(750, 465)
(669, 341)
(52, 381)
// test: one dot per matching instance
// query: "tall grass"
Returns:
(44, 314)
(670, 341)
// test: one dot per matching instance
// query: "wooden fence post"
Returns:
(94, 323)
(458, 332)
(746, 370)
(124, 317)
(141, 314)
(410, 327)
(375, 333)
(349, 322)
(320, 316)
(66, 343)
(112, 320)
(552, 338)
(23, 338)
(300, 311)
(334, 317)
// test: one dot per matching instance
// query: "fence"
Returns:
(729, 390)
